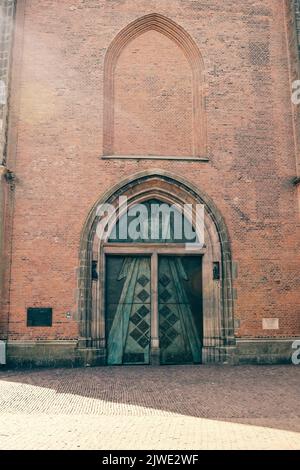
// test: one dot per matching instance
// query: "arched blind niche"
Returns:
(153, 92)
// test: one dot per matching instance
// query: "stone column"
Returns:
(292, 13)
(2, 198)
(7, 9)
(155, 350)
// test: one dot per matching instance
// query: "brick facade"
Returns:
(56, 147)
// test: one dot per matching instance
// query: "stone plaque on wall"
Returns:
(270, 324)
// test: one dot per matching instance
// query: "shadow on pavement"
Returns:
(267, 396)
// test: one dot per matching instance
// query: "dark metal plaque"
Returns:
(39, 317)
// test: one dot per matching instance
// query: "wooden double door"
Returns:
(147, 310)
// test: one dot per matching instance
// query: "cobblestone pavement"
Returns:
(183, 407)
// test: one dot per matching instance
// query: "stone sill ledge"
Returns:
(37, 342)
(155, 157)
(268, 339)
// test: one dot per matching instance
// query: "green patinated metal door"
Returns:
(180, 309)
(128, 309)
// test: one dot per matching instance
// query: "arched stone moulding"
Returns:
(217, 295)
(190, 49)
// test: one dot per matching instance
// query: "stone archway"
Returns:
(218, 325)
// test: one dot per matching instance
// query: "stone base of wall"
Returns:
(263, 351)
(67, 353)
(42, 353)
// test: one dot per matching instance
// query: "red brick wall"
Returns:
(153, 110)
(59, 144)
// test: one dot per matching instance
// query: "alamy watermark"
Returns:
(296, 354)
(2, 93)
(296, 92)
(151, 222)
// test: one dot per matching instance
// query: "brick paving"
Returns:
(183, 407)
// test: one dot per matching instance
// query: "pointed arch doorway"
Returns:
(153, 288)
(156, 302)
